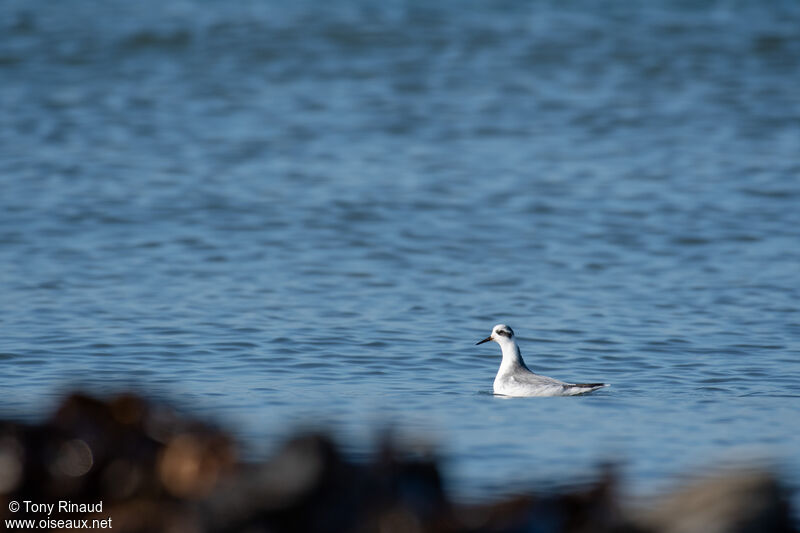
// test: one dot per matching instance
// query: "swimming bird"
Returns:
(515, 379)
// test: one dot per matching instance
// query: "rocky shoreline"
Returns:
(132, 466)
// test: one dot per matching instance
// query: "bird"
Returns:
(514, 378)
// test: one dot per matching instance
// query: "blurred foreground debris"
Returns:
(154, 471)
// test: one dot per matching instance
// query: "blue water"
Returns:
(285, 216)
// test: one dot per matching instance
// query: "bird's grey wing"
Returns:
(531, 378)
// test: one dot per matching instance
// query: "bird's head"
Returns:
(500, 334)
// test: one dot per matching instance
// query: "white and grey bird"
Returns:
(515, 379)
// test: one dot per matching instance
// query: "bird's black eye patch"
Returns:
(505, 332)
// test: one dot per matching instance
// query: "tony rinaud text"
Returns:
(63, 506)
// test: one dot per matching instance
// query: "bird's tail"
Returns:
(593, 386)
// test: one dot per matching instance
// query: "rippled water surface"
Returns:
(280, 216)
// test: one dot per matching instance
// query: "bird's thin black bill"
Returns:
(487, 339)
